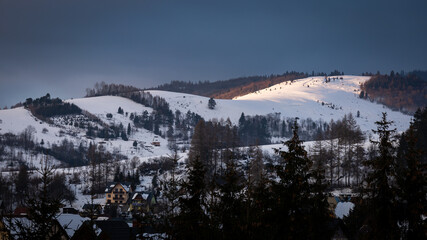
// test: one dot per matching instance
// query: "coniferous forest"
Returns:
(288, 199)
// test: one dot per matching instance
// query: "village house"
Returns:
(118, 193)
(143, 202)
(137, 203)
(155, 142)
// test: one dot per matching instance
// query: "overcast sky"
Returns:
(63, 47)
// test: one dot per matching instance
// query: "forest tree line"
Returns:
(227, 89)
(404, 93)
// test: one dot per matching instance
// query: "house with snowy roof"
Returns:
(71, 222)
(118, 193)
(137, 202)
(143, 202)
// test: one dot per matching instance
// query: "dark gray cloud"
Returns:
(63, 47)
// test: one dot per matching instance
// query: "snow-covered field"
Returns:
(19, 119)
(100, 106)
(302, 98)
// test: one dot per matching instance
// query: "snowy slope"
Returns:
(18, 119)
(303, 98)
(100, 106)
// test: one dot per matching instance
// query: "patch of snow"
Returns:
(343, 209)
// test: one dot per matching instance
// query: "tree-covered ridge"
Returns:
(103, 89)
(47, 107)
(228, 89)
(405, 93)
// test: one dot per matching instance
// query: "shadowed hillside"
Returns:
(405, 93)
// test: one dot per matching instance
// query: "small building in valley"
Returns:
(118, 193)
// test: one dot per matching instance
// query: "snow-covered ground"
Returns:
(19, 119)
(343, 209)
(100, 106)
(302, 98)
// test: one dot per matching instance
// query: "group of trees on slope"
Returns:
(102, 89)
(46, 107)
(404, 93)
(13, 146)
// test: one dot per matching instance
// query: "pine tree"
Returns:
(192, 221)
(123, 136)
(211, 103)
(256, 168)
(171, 194)
(43, 209)
(242, 129)
(319, 213)
(420, 131)
(300, 210)
(257, 198)
(230, 203)
(381, 185)
(129, 129)
(199, 145)
(21, 183)
(319, 153)
(412, 184)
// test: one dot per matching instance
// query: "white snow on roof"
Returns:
(126, 187)
(134, 196)
(71, 222)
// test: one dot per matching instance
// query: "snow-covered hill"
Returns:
(311, 97)
(304, 98)
(18, 120)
